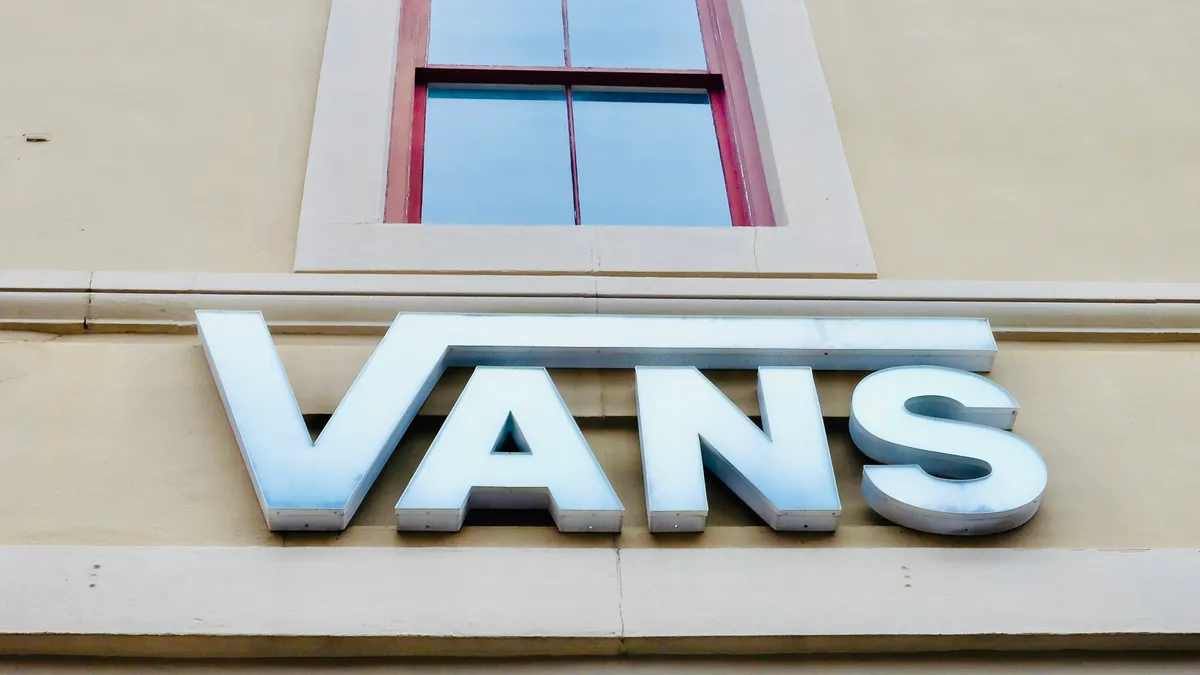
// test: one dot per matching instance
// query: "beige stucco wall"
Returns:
(999, 139)
(122, 440)
(1030, 139)
(179, 132)
(993, 139)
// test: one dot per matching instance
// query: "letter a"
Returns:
(554, 469)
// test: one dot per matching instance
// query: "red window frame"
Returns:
(741, 158)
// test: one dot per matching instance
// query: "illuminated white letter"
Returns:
(554, 469)
(953, 470)
(318, 485)
(686, 424)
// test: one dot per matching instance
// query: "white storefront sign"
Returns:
(949, 463)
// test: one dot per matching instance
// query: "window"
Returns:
(572, 112)
(761, 67)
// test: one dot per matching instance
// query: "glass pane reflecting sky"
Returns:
(654, 34)
(648, 159)
(496, 32)
(497, 156)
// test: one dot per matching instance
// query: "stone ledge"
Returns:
(257, 602)
(65, 302)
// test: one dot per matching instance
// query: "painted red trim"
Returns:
(411, 53)
(726, 142)
(741, 156)
(708, 33)
(563, 77)
(412, 213)
(740, 115)
(738, 211)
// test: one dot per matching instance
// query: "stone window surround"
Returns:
(820, 230)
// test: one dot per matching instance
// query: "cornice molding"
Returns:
(588, 601)
(68, 302)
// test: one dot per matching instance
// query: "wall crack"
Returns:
(87, 310)
(620, 604)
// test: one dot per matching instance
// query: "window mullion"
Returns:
(571, 116)
(574, 157)
(566, 36)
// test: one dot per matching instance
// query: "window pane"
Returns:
(648, 159)
(655, 34)
(496, 32)
(497, 156)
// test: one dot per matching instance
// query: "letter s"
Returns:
(950, 466)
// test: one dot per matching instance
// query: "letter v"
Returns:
(302, 485)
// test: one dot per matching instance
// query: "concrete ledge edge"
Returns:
(264, 602)
(326, 647)
(66, 302)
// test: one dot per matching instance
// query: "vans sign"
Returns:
(948, 462)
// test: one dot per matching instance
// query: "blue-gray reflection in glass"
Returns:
(951, 466)
(648, 158)
(496, 32)
(649, 34)
(497, 156)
